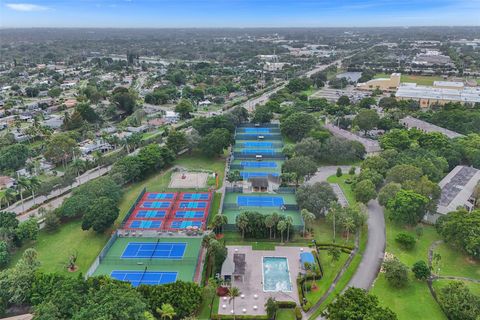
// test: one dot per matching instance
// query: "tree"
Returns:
(367, 102)
(234, 176)
(271, 307)
(366, 120)
(28, 230)
(343, 101)
(166, 311)
(242, 222)
(368, 174)
(219, 221)
(289, 223)
(13, 157)
(22, 184)
(388, 192)
(101, 214)
(316, 198)
(365, 191)
(396, 273)
(86, 112)
(60, 148)
(403, 172)
(9, 195)
(151, 157)
(396, 139)
(124, 99)
(388, 103)
(405, 240)
(339, 172)
(334, 253)
(4, 254)
(458, 229)
(233, 292)
(33, 185)
(355, 304)
(281, 226)
(302, 166)
(458, 302)
(376, 163)
(176, 140)
(184, 108)
(308, 219)
(215, 142)
(262, 114)
(52, 221)
(297, 125)
(407, 207)
(421, 270)
(270, 223)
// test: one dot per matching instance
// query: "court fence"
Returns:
(241, 155)
(244, 145)
(101, 255)
(266, 137)
(149, 262)
(263, 125)
(285, 190)
(132, 208)
(234, 189)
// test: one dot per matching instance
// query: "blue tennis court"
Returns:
(257, 201)
(191, 205)
(145, 224)
(258, 151)
(246, 175)
(160, 196)
(155, 204)
(195, 196)
(264, 144)
(258, 164)
(161, 250)
(185, 224)
(256, 130)
(137, 278)
(189, 214)
(150, 214)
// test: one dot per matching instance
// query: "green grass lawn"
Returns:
(412, 302)
(285, 314)
(346, 188)
(474, 287)
(55, 248)
(453, 263)
(420, 80)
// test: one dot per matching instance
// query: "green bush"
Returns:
(286, 304)
(298, 313)
(405, 240)
(306, 306)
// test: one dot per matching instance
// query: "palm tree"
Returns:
(167, 311)
(34, 184)
(22, 184)
(10, 195)
(218, 221)
(242, 223)
(78, 165)
(349, 225)
(308, 218)
(269, 223)
(281, 226)
(233, 293)
(275, 218)
(98, 157)
(289, 223)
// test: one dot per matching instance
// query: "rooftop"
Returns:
(457, 188)
(467, 94)
(411, 122)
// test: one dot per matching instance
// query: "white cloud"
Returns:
(25, 7)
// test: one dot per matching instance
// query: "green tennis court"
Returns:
(184, 267)
(232, 214)
(288, 198)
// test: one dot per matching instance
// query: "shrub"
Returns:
(306, 306)
(352, 171)
(421, 270)
(339, 172)
(405, 240)
(298, 313)
(396, 273)
(52, 221)
(286, 304)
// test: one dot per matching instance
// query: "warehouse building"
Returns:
(428, 96)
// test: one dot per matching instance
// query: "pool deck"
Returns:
(253, 283)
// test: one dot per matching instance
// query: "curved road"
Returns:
(372, 258)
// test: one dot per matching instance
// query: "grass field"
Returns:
(184, 267)
(420, 80)
(412, 302)
(453, 263)
(285, 314)
(346, 188)
(474, 287)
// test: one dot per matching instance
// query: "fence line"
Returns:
(132, 208)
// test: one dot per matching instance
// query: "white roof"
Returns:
(467, 94)
(457, 84)
(457, 187)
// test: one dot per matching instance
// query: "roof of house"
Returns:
(371, 146)
(457, 188)
(411, 122)
(258, 182)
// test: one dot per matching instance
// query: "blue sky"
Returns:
(237, 13)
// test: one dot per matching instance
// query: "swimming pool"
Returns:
(276, 276)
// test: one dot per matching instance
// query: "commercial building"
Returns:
(384, 84)
(457, 190)
(411, 122)
(428, 96)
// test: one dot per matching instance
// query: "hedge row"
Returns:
(329, 245)
(286, 304)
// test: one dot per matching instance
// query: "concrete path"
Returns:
(372, 258)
